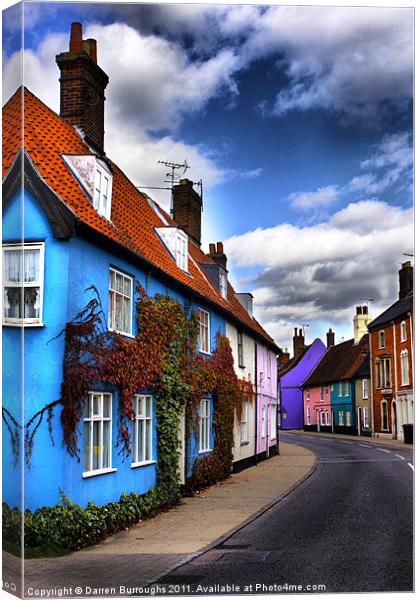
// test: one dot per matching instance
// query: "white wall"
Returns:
(247, 372)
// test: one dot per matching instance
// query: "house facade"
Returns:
(329, 391)
(243, 349)
(292, 405)
(391, 351)
(88, 232)
(363, 397)
(267, 401)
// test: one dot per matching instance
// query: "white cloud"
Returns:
(323, 196)
(319, 273)
(153, 84)
(352, 60)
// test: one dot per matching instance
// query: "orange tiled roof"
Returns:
(46, 138)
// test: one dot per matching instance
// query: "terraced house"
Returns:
(391, 345)
(82, 224)
(330, 391)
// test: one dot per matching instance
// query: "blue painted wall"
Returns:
(70, 268)
(344, 403)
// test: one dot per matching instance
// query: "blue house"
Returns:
(78, 222)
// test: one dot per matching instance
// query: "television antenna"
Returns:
(173, 177)
(303, 327)
(366, 301)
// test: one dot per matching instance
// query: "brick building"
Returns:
(391, 350)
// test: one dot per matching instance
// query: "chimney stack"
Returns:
(330, 338)
(82, 88)
(284, 357)
(187, 207)
(217, 254)
(406, 280)
(360, 322)
(298, 343)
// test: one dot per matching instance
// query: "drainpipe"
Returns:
(281, 417)
(256, 404)
(372, 375)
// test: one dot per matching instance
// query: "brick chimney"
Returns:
(298, 343)
(82, 88)
(360, 322)
(217, 254)
(283, 357)
(330, 338)
(187, 207)
(406, 279)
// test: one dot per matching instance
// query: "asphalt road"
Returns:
(347, 528)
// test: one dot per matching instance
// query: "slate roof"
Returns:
(363, 372)
(398, 309)
(46, 138)
(339, 363)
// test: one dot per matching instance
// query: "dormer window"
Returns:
(176, 242)
(102, 191)
(95, 177)
(181, 250)
(223, 283)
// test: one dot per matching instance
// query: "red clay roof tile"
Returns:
(46, 138)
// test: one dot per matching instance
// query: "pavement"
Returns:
(369, 440)
(152, 549)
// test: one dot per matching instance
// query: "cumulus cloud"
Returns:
(356, 61)
(145, 97)
(322, 271)
(323, 196)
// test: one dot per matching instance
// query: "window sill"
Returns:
(128, 335)
(143, 464)
(242, 366)
(245, 443)
(206, 451)
(204, 352)
(87, 474)
(20, 323)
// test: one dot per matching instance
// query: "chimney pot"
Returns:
(76, 35)
(212, 248)
(216, 253)
(219, 248)
(93, 52)
(298, 343)
(330, 338)
(358, 310)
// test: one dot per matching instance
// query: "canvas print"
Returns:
(207, 318)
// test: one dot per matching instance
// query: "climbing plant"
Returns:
(161, 357)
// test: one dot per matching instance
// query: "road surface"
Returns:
(347, 528)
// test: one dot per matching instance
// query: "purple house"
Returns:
(291, 378)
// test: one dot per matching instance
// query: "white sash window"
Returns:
(23, 283)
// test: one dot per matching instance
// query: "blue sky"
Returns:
(298, 120)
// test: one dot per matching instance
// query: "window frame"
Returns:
(348, 418)
(322, 418)
(404, 364)
(273, 421)
(340, 389)
(241, 361)
(341, 418)
(115, 292)
(147, 431)
(346, 388)
(308, 395)
(104, 173)
(365, 415)
(181, 250)
(327, 418)
(365, 390)
(308, 415)
(91, 419)
(243, 425)
(201, 325)
(204, 426)
(403, 331)
(381, 339)
(263, 421)
(29, 321)
(223, 283)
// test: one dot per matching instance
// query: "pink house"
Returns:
(317, 408)
(267, 401)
